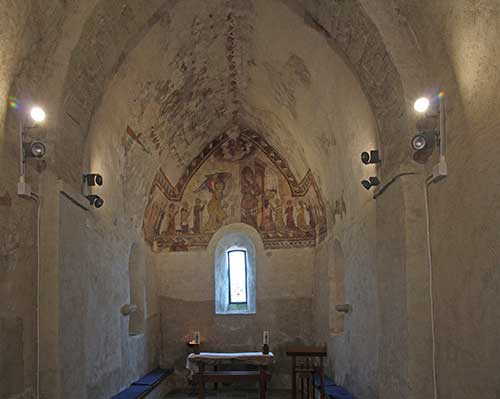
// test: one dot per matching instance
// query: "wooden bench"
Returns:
(230, 376)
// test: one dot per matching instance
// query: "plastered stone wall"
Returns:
(17, 221)
(453, 51)
(284, 281)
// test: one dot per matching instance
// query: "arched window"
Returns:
(235, 258)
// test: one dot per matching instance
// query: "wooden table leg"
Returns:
(201, 382)
(302, 385)
(307, 381)
(294, 377)
(262, 382)
(321, 378)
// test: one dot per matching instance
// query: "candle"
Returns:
(266, 337)
(197, 337)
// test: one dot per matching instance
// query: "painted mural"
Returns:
(235, 179)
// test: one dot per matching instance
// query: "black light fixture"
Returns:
(370, 157)
(424, 140)
(34, 149)
(93, 179)
(371, 182)
(95, 200)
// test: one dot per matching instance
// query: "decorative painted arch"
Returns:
(235, 178)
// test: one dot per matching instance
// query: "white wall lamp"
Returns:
(425, 139)
(29, 149)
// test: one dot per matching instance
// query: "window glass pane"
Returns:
(237, 276)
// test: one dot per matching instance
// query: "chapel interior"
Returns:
(186, 176)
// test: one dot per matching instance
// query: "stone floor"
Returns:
(231, 393)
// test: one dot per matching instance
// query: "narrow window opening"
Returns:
(237, 269)
(235, 264)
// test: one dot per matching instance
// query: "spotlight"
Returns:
(371, 182)
(37, 114)
(370, 157)
(93, 179)
(422, 105)
(34, 149)
(95, 200)
(423, 140)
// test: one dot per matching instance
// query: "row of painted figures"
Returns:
(275, 216)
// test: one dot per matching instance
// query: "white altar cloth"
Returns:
(214, 358)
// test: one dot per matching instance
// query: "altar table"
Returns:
(196, 364)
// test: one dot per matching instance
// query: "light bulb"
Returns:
(422, 104)
(37, 114)
(38, 149)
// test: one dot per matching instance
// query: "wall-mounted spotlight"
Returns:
(34, 149)
(371, 182)
(370, 157)
(95, 200)
(93, 179)
(424, 140)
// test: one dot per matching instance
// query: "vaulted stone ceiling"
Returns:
(205, 68)
(249, 33)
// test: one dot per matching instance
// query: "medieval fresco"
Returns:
(235, 179)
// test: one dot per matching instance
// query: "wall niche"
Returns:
(137, 290)
(337, 289)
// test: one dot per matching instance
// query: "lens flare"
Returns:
(12, 102)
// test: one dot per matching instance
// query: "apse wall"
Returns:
(284, 304)
(160, 111)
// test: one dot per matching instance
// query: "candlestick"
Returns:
(197, 337)
(266, 338)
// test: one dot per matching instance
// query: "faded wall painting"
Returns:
(235, 179)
